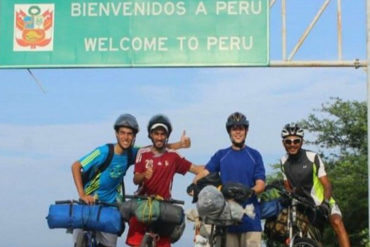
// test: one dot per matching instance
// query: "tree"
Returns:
(341, 129)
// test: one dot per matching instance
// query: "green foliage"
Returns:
(341, 127)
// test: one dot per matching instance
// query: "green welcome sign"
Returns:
(133, 33)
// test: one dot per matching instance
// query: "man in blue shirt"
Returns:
(105, 186)
(242, 164)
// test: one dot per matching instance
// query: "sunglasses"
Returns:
(292, 141)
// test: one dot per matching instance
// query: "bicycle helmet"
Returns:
(160, 121)
(236, 118)
(127, 120)
(292, 129)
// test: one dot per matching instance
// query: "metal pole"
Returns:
(368, 101)
(283, 28)
(308, 30)
(339, 27)
(355, 63)
(272, 2)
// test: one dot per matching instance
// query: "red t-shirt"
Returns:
(164, 167)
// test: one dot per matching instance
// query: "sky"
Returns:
(42, 134)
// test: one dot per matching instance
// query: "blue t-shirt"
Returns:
(244, 166)
(106, 185)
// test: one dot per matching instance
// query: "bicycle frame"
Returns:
(86, 238)
(292, 221)
(294, 231)
(218, 236)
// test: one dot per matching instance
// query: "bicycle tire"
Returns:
(147, 241)
(305, 242)
(81, 240)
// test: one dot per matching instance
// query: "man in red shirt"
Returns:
(155, 168)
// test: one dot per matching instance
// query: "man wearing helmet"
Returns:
(105, 185)
(304, 173)
(242, 164)
(155, 168)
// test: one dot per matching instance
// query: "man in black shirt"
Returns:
(304, 173)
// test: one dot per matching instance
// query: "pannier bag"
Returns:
(210, 202)
(147, 210)
(270, 209)
(171, 213)
(277, 228)
(165, 218)
(211, 179)
(236, 191)
(172, 220)
(90, 217)
(168, 212)
(177, 231)
(171, 230)
(214, 209)
(127, 209)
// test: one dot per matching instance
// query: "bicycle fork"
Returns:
(292, 220)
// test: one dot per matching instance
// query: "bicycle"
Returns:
(86, 237)
(217, 236)
(232, 195)
(154, 228)
(299, 229)
(228, 211)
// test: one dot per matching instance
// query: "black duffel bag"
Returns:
(211, 179)
(171, 222)
(171, 213)
(236, 191)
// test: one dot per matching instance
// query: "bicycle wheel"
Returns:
(305, 242)
(81, 240)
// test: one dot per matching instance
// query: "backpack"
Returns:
(86, 177)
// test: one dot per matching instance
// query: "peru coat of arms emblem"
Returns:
(33, 27)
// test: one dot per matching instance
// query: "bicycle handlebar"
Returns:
(174, 201)
(291, 195)
(97, 202)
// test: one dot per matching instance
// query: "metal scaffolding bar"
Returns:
(309, 28)
(272, 3)
(355, 63)
(283, 28)
(339, 28)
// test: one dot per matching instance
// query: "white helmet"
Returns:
(292, 129)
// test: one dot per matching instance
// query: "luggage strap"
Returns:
(102, 167)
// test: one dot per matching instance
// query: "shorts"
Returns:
(244, 239)
(106, 239)
(136, 233)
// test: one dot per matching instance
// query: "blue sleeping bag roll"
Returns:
(89, 217)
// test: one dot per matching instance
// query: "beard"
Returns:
(161, 147)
